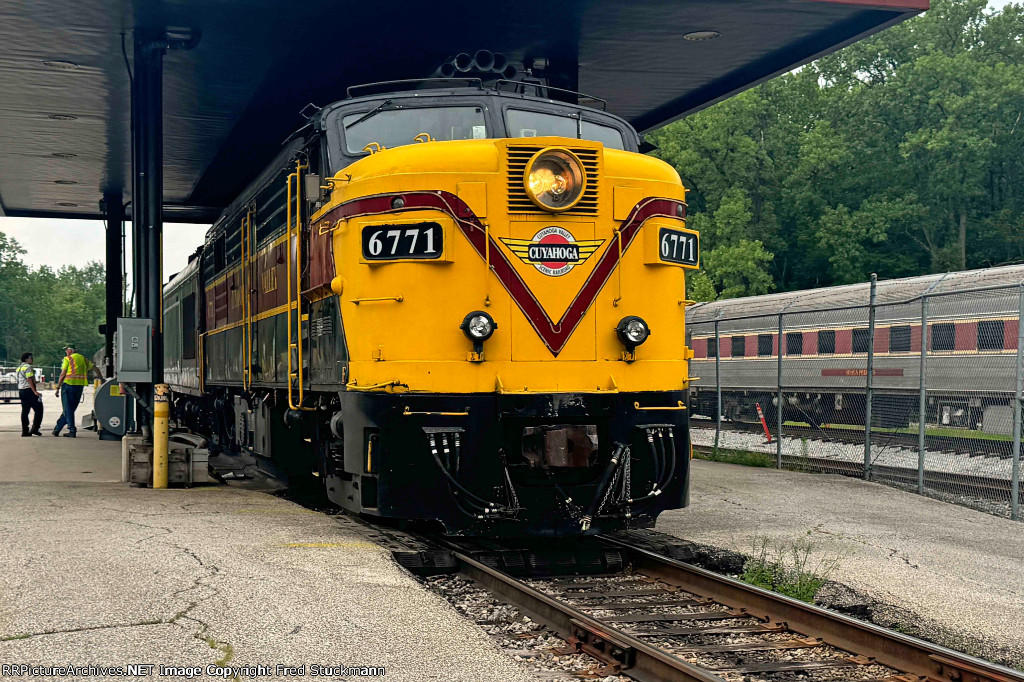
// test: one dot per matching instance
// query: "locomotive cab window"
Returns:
(739, 346)
(943, 336)
(394, 127)
(899, 339)
(764, 345)
(990, 335)
(523, 123)
(827, 342)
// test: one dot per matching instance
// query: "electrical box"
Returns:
(133, 360)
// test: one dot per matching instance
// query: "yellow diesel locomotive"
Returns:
(463, 306)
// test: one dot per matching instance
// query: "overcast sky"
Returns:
(76, 242)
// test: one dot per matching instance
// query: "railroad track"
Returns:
(665, 620)
(960, 445)
(980, 487)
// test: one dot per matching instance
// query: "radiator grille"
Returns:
(519, 202)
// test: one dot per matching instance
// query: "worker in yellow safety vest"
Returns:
(74, 375)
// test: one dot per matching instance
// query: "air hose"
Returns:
(606, 478)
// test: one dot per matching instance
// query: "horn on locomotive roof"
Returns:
(481, 63)
(483, 60)
(446, 70)
(463, 62)
(500, 63)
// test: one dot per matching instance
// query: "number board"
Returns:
(419, 241)
(677, 246)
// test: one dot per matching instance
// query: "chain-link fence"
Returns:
(913, 382)
(44, 373)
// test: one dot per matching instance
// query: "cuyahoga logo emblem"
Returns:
(553, 250)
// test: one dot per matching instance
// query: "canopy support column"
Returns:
(147, 202)
(113, 209)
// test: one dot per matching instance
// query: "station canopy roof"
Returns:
(230, 101)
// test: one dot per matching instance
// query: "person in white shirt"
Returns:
(31, 401)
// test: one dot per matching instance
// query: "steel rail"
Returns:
(887, 647)
(629, 655)
(984, 487)
(636, 659)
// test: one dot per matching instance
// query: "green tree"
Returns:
(41, 310)
(901, 154)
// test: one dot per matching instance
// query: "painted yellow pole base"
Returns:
(161, 416)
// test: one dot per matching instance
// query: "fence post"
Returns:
(922, 409)
(778, 408)
(870, 377)
(718, 383)
(1015, 476)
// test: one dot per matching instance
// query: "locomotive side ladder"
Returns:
(295, 377)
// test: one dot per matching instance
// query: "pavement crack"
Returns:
(895, 553)
(225, 649)
(87, 628)
(164, 530)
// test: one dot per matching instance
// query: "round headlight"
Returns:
(478, 326)
(555, 179)
(632, 331)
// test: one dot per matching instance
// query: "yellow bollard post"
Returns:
(161, 415)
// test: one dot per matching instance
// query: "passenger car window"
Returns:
(861, 340)
(712, 347)
(827, 342)
(739, 346)
(397, 127)
(794, 343)
(764, 344)
(899, 339)
(990, 335)
(188, 327)
(943, 336)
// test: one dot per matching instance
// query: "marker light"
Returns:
(632, 331)
(478, 327)
(555, 179)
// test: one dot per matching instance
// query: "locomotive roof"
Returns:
(828, 298)
(231, 99)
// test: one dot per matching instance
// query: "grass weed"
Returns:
(750, 459)
(789, 567)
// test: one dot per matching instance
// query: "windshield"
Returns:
(397, 127)
(523, 123)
